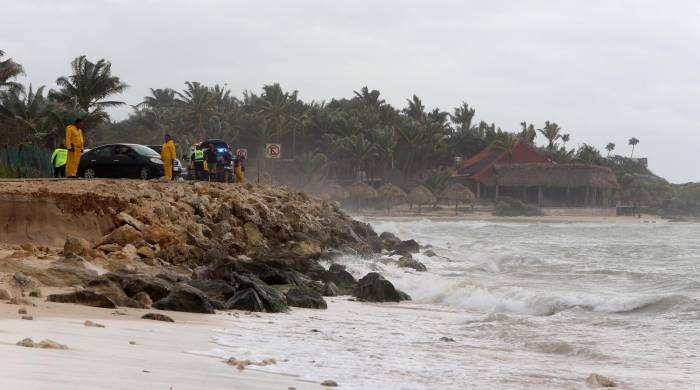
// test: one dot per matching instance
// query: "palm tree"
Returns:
(9, 69)
(588, 155)
(30, 110)
(552, 132)
(415, 109)
(507, 142)
(281, 108)
(359, 149)
(369, 98)
(528, 133)
(385, 141)
(565, 138)
(196, 105)
(89, 85)
(463, 116)
(610, 147)
(633, 142)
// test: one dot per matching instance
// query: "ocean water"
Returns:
(528, 305)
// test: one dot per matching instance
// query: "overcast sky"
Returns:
(605, 70)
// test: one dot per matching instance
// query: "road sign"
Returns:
(242, 152)
(273, 150)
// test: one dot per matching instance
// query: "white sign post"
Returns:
(273, 151)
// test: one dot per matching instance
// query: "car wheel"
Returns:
(145, 173)
(89, 173)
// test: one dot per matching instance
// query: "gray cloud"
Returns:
(604, 70)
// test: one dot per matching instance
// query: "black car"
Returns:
(121, 161)
(177, 166)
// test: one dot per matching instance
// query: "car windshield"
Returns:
(145, 151)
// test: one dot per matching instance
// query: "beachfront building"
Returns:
(527, 175)
(475, 171)
(565, 185)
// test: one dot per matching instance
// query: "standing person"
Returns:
(228, 159)
(167, 154)
(211, 158)
(197, 159)
(238, 168)
(58, 161)
(74, 146)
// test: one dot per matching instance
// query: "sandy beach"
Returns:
(103, 358)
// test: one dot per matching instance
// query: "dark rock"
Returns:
(447, 339)
(335, 267)
(273, 300)
(389, 240)
(409, 262)
(330, 290)
(156, 288)
(113, 291)
(217, 304)
(307, 298)
(374, 288)
(157, 317)
(246, 299)
(340, 277)
(83, 297)
(430, 253)
(143, 299)
(410, 246)
(71, 270)
(185, 298)
(214, 289)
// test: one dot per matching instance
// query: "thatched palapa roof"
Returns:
(457, 192)
(421, 195)
(360, 190)
(553, 175)
(391, 192)
(336, 192)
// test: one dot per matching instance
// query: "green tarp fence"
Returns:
(25, 160)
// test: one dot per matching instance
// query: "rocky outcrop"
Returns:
(246, 299)
(185, 298)
(374, 288)
(157, 317)
(410, 262)
(307, 298)
(330, 290)
(272, 299)
(338, 275)
(84, 297)
(596, 380)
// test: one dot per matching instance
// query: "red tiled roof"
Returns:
(481, 165)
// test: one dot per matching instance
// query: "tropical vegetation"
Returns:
(360, 138)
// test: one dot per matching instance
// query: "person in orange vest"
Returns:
(167, 154)
(74, 145)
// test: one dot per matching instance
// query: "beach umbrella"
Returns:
(391, 194)
(458, 193)
(361, 191)
(420, 196)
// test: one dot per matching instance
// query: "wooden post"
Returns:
(588, 194)
(568, 196)
(497, 192)
(594, 201)
(478, 190)
(540, 196)
(525, 194)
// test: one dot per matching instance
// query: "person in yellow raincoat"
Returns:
(167, 154)
(74, 144)
(238, 168)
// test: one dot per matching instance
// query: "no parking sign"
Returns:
(273, 150)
